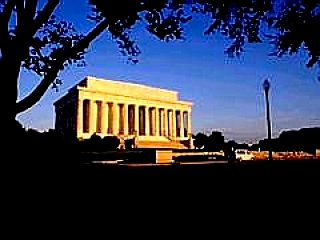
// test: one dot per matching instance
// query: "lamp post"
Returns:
(266, 86)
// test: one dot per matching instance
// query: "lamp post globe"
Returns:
(266, 85)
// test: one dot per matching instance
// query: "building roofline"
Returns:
(180, 101)
(61, 98)
(130, 83)
(77, 87)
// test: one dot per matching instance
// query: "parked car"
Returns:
(244, 155)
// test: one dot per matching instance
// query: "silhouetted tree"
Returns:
(200, 140)
(31, 142)
(128, 143)
(95, 143)
(242, 146)
(95, 138)
(232, 144)
(215, 142)
(304, 139)
(18, 128)
(35, 39)
(254, 147)
(110, 143)
(230, 148)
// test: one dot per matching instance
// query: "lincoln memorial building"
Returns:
(116, 108)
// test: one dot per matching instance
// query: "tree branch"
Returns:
(49, 78)
(22, 39)
(4, 22)
(25, 14)
(20, 12)
(7, 10)
(31, 8)
(39, 91)
(44, 15)
(93, 34)
(28, 25)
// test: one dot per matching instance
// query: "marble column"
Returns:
(104, 118)
(109, 129)
(60, 119)
(136, 119)
(67, 117)
(85, 116)
(98, 117)
(93, 117)
(156, 111)
(165, 122)
(72, 117)
(174, 123)
(189, 122)
(163, 118)
(152, 121)
(115, 118)
(160, 120)
(121, 118)
(170, 123)
(126, 119)
(181, 124)
(147, 123)
(56, 122)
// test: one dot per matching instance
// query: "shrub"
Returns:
(110, 143)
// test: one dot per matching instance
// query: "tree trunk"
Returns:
(10, 69)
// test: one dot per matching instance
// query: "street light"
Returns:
(266, 86)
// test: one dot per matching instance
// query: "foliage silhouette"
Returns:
(41, 43)
(110, 142)
(128, 143)
(54, 146)
(200, 140)
(215, 142)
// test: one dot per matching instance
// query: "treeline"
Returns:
(54, 143)
(214, 142)
(305, 139)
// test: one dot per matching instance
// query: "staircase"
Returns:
(160, 142)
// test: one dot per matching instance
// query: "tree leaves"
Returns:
(292, 22)
(50, 44)
(163, 18)
(295, 28)
(56, 84)
(238, 20)
(292, 27)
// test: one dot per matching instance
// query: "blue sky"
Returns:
(227, 94)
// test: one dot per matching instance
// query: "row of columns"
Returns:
(128, 119)
(66, 117)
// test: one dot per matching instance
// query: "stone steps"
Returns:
(161, 144)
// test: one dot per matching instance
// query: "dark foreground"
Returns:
(242, 174)
(95, 185)
(265, 188)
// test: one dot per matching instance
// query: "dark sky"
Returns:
(227, 94)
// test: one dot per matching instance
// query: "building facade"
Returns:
(113, 108)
